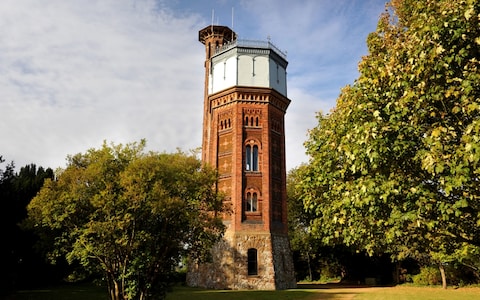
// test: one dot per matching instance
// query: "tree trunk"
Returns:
(117, 290)
(309, 266)
(114, 289)
(396, 274)
(444, 278)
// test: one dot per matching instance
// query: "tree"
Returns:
(316, 261)
(30, 266)
(19, 261)
(7, 259)
(301, 241)
(395, 166)
(8, 173)
(129, 215)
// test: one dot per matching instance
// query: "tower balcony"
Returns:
(256, 44)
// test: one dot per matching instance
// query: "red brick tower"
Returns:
(244, 138)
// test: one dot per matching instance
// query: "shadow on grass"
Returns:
(323, 286)
(64, 292)
(306, 292)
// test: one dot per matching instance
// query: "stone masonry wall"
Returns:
(229, 269)
(283, 263)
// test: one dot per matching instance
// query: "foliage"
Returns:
(395, 166)
(312, 261)
(427, 276)
(456, 274)
(21, 266)
(315, 261)
(129, 215)
(8, 173)
(304, 246)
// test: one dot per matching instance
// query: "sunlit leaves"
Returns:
(395, 166)
(129, 214)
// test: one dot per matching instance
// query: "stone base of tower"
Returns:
(230, 264)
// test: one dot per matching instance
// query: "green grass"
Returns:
(303, 292)
(322, 291)
(420, 293)
(318, 292)
(185, 293)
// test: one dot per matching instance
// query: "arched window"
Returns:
(246, 121)
(251, 158)
(255, 158)
(252, 261)
(252, 202)
(248, 158)
(256, 121)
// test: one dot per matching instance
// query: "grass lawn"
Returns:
(303, 292)
(326, 292)
(420, 293)
(185, 293)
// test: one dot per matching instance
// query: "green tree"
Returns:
(129, 215)
(301, 241)
(20, 264)
(8, 173)
(7, 225)
(316, 261)
(395, 166)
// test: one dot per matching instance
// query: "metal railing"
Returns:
(251, 44)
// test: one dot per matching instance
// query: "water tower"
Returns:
(244, 139)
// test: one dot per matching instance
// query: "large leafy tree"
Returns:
(395, 166)
(129, 215)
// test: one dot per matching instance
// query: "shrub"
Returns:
(428, 276)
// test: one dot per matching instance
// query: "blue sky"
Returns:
(74, 73)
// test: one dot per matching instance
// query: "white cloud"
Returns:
(299, 118)
(76, 74)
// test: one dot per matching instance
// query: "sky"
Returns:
(76, 73)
